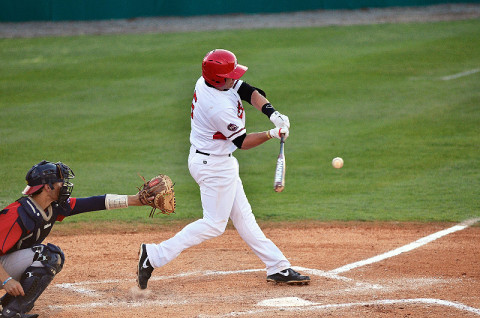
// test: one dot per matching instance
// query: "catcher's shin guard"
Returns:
(35, 280)
(51, 257)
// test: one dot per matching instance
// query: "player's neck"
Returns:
(42, 200)
(223, 88)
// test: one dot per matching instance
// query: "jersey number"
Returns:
(193, 106)
(240, 110)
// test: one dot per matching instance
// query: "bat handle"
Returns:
(282, 138)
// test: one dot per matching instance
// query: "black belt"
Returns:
(202, 153)
(207, 154)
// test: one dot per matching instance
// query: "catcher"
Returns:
(27, 266)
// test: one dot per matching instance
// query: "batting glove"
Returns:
(280, 120)
(277, 132)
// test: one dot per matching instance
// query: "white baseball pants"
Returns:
(222, 198)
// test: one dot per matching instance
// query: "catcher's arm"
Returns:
(134, 200)
(121, 201)
(11, 286)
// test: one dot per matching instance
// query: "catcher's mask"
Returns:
(220, 64)
(46, 172)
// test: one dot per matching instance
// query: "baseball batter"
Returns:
(217, 130)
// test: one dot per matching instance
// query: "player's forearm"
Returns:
(261, 103)
(9, 284)
(121, 201)
(255, 139)
(3, 275)
(105, 202)
(258, 100)
(134, 200)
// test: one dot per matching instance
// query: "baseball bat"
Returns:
(279, 181)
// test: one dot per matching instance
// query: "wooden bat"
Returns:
(279, 181)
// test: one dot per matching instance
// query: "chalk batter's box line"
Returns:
(314, 307)
(330, 274)
(333, 274)
(406, 248)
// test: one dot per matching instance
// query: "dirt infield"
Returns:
(439, 276)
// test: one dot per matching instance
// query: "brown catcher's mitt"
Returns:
(159, 194)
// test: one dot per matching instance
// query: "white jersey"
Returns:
(217, 118)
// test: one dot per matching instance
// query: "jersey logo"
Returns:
(145, 263)
(232, 127)
(240, 110)
(284, 273)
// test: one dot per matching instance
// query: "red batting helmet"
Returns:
(220, 64)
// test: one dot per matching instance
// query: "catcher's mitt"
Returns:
(159, 194)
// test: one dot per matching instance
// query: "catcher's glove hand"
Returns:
(159, 194)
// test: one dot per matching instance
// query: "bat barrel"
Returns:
(279, 181)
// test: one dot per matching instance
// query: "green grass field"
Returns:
(116, 105)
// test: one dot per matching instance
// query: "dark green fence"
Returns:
(58, 10)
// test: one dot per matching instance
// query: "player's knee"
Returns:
(217, 228)
(218, 231)
(51, 257)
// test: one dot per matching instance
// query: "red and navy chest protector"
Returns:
(22, 225)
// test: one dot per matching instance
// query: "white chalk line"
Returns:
(462, 74)
(123, 304)
(333, 274)
(406, 248)
(81, 289)
(424, 301)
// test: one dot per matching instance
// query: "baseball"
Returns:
(337, 162)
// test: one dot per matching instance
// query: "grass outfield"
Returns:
(111, 106)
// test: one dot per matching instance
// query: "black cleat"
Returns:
(5, 300)
(144, 268)
(289, 276)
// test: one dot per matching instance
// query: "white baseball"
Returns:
(337, 162)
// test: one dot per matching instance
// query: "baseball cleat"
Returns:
(290, 277)
(144, 268)
(5, 300)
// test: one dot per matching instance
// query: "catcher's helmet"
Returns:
(46, 172)
(220, 64)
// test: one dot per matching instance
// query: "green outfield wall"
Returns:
(61, 10)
